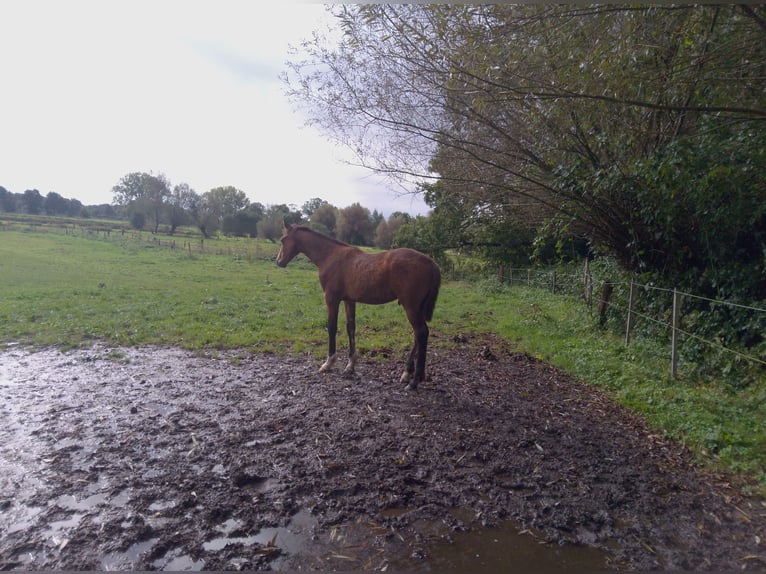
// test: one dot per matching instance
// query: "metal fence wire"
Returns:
(621, 299)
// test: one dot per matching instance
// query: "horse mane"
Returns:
(322, 235)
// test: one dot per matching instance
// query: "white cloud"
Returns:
(95, 90)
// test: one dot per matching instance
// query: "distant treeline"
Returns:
(35, 203)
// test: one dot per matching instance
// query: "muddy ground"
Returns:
(154, 458)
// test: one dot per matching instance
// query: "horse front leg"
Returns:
(351, 330)
(332, 331)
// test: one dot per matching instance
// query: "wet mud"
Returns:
(158, 458)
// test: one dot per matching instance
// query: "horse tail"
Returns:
(429, 302)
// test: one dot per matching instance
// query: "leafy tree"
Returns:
(537, 116)
(226, 200)
(7, 200)
(55, 204)
(386, 230)
(202, 213)
(425, 235)
(33, 201)
(244, 223)
(75, 208)
(179, 206)
(324, 219)
(355, 225)
(309, 208)
(270, 227)
(143, 193)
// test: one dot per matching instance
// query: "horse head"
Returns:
(289, 247)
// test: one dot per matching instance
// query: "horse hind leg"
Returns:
(406, 377)
(351, 330)
(416, 362)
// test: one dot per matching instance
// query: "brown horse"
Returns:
(350, 275)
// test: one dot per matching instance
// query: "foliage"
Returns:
(386, 229)
(324, 219)
(355, 225)
(554, 122)
(423, 234)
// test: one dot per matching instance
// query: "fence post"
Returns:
(629, 326)
(674, 333)
(588, 284)
(529, 277)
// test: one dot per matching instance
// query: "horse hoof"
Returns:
(413, 386)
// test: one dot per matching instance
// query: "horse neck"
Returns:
(317, 247)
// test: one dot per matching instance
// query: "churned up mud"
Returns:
(158, 458)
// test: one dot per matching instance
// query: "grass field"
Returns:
(72, 288)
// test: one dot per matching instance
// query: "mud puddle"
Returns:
(154, 458)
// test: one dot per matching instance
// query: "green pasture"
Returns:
(71, 288)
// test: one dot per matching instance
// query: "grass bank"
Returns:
(70, 289)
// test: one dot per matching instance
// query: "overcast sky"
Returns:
(92, 90)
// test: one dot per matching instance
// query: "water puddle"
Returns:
(127, 560)
(435, 547)
(70, 502)
(292, 539)
(506, 547)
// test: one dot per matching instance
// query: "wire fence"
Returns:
(677, 315)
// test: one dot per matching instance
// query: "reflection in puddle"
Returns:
(504, 547)
(70, 502)
(292, 539)
(129, 558)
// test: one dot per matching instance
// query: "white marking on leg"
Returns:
(351, 364)
(328, 363)
(405, 378)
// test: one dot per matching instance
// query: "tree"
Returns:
(386, 230)
(309, 208)
(179, 206)
(75, 208)
(55, 204)
(535, 116)
(324, 219)
(422, 233)
(33, 201)
(202, 213)
(270, 227)
(354, 225)
(7, 200)
(244, 223)
(227, 200)
(143, 193)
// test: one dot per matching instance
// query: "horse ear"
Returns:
(284, 222)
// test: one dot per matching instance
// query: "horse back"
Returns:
(404, 274)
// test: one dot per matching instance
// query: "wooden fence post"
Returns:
(629, 325)
(674, 333)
